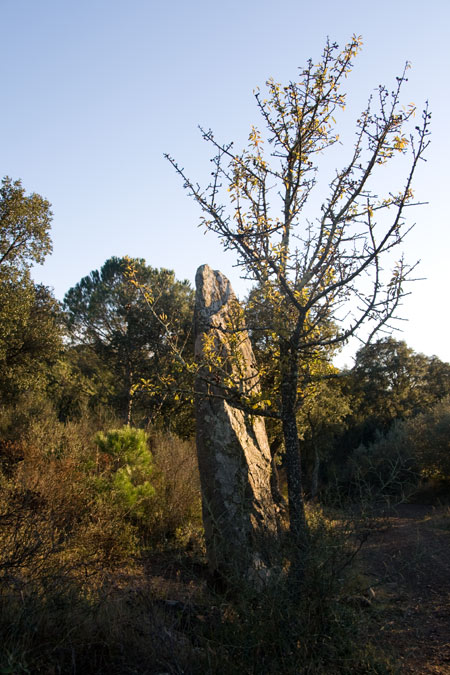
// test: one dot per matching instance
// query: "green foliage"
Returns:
(132, 466)
(30, 337)
(396, 463)
(29, 330)
(429, 438)
(24, 228)
(80, 383)
(108, 315)
(125, 446)
(389, 383)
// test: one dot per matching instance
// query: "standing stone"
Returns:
(239, 514)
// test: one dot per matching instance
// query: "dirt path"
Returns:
(408, 559)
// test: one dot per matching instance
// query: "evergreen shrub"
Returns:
(131, 467)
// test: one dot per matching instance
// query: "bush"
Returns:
(320, 626)
(177, 502)
(429, 438)
(396, 463)
(168, 507)
(127, 469)
(50, 516)
(76, 595)
(383, 470)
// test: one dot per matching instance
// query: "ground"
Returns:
(407, 562)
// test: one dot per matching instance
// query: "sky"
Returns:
(94, 92)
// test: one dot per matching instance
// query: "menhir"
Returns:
(239, 515)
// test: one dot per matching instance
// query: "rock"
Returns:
(239, 515)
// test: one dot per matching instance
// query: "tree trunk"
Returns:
(315, 474)
(289, 377)
(316, 467)
(297, 519)
(129, 407)
(274, 477)
(129, 401)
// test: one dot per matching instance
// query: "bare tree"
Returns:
(326, 271)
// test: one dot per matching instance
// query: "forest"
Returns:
(103, 566)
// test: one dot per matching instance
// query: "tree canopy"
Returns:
(24, 227)
(390, 381)
(30, 336)
(108, 314)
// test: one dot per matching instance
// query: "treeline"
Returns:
(102, 353)
(93, 351)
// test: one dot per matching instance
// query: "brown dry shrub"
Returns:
(51, 521)
(177, 502)
(64, 550)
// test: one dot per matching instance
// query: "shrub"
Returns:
(127, 479)
(395, 463)
(177, 502)
(383, 470)
(75, 597)
(320, 626)
(51, 519)
(429, 437)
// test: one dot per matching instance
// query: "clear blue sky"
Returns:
(95, 91)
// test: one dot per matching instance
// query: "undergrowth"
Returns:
(90, 585)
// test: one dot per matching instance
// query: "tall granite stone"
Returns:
(239, 514)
